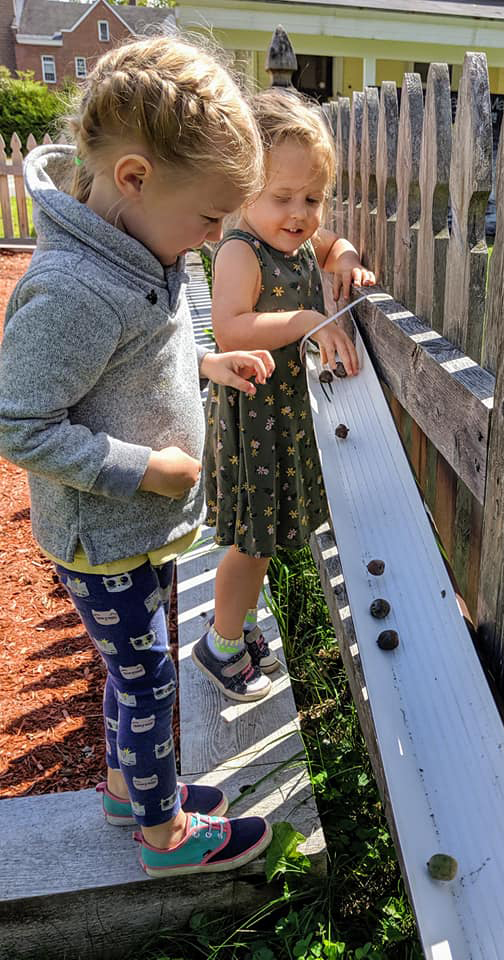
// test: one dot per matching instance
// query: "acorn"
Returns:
(388, 640)
(376, 567)
(380, 608)
(342, 431)
(442, 867)
(325, 376)
(339, 369)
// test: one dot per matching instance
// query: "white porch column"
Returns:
(369, 78)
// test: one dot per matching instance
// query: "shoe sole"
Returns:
(240, 861)
(271, 667)
(230, 694)
(116, 821)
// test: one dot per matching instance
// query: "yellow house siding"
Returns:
(391, 70)
(352, 75)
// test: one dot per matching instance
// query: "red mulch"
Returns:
(51, 736)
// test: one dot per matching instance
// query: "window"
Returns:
(80, 67)
(313, 76)
(48, 70)
(103, 31)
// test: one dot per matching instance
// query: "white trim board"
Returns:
(439, 735)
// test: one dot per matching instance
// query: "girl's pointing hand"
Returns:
(234, 369)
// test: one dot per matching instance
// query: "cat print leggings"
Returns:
(125, 618)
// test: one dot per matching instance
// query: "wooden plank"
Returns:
(368, 177)
(440, 488)
(408, 189)
(386, 185)
(17, 164)
(330, 111)
(470, 185)
(406, 234)
(8, 229)
(434, 382)
(72, 885)
(492, 344)
(244, 744)
(491, 584)
(354, 168)
(438, 730)
(342, 140)
(434, 175)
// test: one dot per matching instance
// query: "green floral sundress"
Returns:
(264, 483)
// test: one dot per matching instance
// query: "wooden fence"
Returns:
(12, 188)
(411, 194)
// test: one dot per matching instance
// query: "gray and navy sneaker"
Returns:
(258, 648)
(236, 677)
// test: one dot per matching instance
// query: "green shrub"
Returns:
(27, 106)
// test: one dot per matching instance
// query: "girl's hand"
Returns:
(170, 473)
(235, 369)
(348, 270)
(333, 340)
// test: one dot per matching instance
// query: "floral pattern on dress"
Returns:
(263, 480)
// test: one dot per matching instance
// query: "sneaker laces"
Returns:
(248, 673)
(260, 642)
(210, 823)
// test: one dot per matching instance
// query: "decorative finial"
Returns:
(281, 60)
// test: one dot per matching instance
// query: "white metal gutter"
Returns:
(439, 734)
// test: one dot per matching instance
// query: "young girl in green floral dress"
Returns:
(263, 478)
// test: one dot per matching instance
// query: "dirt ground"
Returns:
(51, 736)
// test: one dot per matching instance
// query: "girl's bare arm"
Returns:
(236, 289)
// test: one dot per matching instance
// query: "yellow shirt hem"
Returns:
(159, 556)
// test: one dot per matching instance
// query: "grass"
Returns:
(15, 218)
(361, 911)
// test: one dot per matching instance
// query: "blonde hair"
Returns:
(174, 98)
(284, 114)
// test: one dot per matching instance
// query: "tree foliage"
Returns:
(27, 106)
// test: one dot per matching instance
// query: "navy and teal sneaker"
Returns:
(193, 798)
(210, 845)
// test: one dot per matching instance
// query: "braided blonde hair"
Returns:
(283, 114)
(178, 101)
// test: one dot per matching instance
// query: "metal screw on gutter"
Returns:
(376, 567)
(342, 431)
(339, 370)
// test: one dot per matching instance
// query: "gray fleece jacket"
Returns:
(98, 368)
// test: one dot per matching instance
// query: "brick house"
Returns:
(59, 40)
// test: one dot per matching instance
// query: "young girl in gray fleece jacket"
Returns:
(99, 401)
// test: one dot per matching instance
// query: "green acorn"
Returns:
(442, 867)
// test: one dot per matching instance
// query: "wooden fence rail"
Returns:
(411, 193)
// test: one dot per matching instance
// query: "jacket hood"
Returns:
(48, 171)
